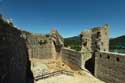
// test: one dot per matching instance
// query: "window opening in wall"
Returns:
(85, 44)
(41, 42)
(117, 59)
(98, 34)
(108, 57)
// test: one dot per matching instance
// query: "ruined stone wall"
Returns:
(93, 40)
(96, 36)
(71, 57)
(43, 46)
(58, 42)
(100, 38)
(110, 67)
(14, 62)
(39, 46)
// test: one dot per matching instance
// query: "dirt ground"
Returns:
(80, 76)
(70, 79)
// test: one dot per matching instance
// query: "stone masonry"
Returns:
(17, 46)
(93, 40)
(14, 61)
(96, 38)
(110, 67)
(43, 46)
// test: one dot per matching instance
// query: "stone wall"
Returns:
(94, 36)
(43, 46)
(93, 40)
(57, 41)
(85, 57)
(110, 67)
(39, 46)
(17, 46)
(14, 62)
(71, 57)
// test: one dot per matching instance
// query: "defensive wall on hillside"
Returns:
(74, 58)
(71, 57)
(110, 67)
(107, 66)
(92, 41)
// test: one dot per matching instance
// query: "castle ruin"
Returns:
(18, 48)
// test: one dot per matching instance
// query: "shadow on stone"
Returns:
(30, 78)
(89, 65)
(14, 61)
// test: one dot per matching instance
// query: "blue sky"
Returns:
(69, 17)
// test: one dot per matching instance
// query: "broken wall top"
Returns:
(96, 39)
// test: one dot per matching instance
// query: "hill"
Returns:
(74, 38)
(118, 42)
(73, 42)
(114, 43)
